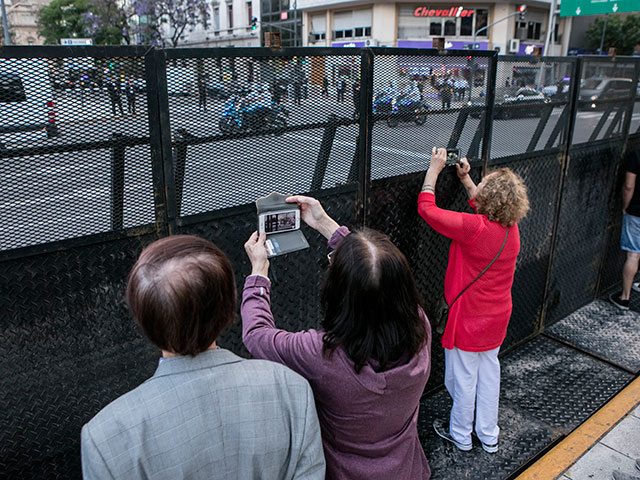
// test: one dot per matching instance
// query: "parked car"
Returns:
(595, 89)
(27, 110)
(524, 102)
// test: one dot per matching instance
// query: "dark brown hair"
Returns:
(371, 304)
(182, 293)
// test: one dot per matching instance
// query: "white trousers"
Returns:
(473, 381)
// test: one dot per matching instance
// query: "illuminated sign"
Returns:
(442, 12)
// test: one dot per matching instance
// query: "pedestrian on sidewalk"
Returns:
(369, 362)
(325, 86)
(630, 238)
(446, 92)
(355, 91)
(477, 288)
(115, 95)
(131, 97)
(342, 86)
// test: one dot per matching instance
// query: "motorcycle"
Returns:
(238, 117)
(406, 110)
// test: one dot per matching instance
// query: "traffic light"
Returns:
(522, 10)
(254, 23)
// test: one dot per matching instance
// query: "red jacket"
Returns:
(479, 318)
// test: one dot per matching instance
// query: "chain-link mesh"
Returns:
(74, 148)
(422, 101)
(605, 95)
(532, 104)
(238, 127)
(243, 127)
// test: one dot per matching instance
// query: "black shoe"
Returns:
(618, 302)
(443, 432)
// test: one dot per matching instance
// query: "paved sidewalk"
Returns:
(616, 451)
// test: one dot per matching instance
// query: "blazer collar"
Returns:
(207, 359)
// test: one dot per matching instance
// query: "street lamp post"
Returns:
(5, 26)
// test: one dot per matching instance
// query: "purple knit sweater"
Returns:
(368, 420)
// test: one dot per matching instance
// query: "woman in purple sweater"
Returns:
(369, 364)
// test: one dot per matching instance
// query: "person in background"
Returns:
(355, 92)
(115, 95)
(131, 97)
(478, 319)
(446, 92)
(630, 237)
(325, 86)
(342, 87)
(202, 94)
(369, 363)
(205, 413)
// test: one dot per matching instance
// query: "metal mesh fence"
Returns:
(242, 127)
(422, 101)
(213, 130)
(75, 147)
(532, 104)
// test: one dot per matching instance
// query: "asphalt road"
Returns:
(56, 196)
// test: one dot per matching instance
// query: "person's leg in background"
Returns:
(461, 374)
(487, 399)
(629, 271)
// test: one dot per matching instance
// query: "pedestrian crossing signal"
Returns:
(254, 23)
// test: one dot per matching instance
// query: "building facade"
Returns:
(226, 23)
(22, 18)
(414, 24)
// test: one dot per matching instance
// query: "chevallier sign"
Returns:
(439, 12)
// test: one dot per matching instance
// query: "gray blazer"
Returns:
(213, 416)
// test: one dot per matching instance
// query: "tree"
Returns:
(107, 22)
(621, 33)
(62, 19)
(163, 22)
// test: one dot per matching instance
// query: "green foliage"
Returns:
(621, 33)
(62, 19)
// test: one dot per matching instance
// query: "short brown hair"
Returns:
(182, 293)
(503, 198)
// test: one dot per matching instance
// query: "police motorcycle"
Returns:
(407, 107)
(255, 113)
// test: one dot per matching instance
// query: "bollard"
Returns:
(117, 181)
(325, 152)
(180, 160)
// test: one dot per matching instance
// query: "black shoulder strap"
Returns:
(486, 268)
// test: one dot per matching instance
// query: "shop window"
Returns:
(466, 27)
(367, 31)
(339, 33)
(481, 14)
(359, 32)
(348, 33)
(450, 28)
(435, 28)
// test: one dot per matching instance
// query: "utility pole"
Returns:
(604, 29)
(5, 26)
(550, 28)
(295, 23)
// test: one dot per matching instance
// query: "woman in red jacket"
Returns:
(478, 319)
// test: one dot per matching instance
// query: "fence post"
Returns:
(117, 181)
(154, 69)
(363, 146)
(492, 68)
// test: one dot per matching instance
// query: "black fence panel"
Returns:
(581, 225)
(103, 150)
(69, 347)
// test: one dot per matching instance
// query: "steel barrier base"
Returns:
(550, 385)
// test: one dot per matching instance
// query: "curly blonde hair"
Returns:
(503, 197)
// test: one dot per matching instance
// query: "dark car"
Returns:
(595, 89)
(524, 102)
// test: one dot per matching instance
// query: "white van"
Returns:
(27, 109)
